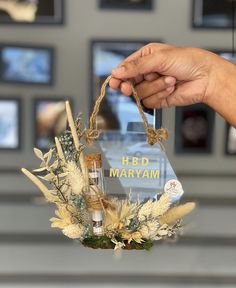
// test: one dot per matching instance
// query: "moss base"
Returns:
(103, 242)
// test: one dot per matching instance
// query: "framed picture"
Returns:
(194, 127)
(227, 54)
(212, 14)
(126, 4)
(10, 123)
(49, 121)
(28, 12)
(230, 144)
(118, 112)
(23, 64)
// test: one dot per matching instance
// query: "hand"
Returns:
(166, 76)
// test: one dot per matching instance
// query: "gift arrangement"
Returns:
(71, 176)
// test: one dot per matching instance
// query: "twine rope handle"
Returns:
(153, 135)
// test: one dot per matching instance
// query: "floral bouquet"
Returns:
(83, 210)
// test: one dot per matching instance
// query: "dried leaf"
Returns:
(48, 177)
(54, 165)
(40, 169)
(48, 156)
(38, 153)
(62, 175)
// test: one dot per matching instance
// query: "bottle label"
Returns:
(97, 224)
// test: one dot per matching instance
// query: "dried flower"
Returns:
(153, 209)
(149, 229)
(176, 213)
(120, 216)
(75, 178)
(118, 245)
(64, 217)
(132, 236)
(73, 231)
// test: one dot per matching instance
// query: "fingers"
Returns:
(114, 83)
(162, 86)
(136, 67)
(151, 76)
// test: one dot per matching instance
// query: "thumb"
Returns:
(138, 66)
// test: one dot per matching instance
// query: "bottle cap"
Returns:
(93, 160)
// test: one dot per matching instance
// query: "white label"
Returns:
(174, 188)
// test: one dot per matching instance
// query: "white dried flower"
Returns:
(149, 230)
(154, 209)
(75, 178)
(73, 231)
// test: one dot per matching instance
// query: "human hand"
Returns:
(166, 75)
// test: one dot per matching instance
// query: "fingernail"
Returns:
(120, 69)
(170, 80)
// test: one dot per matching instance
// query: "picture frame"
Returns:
(226, 54)
(49, 118)
(194, 126)
(10, 123)
(26, 64)
(48, 12)
(230, 143)
(105, 54)
(126, 4)
(208, 14)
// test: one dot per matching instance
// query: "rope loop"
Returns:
(153, 135)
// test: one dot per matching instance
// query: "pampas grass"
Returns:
(176, 213)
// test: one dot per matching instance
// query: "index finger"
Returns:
(116, 83)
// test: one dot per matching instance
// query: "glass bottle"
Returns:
(96, 185)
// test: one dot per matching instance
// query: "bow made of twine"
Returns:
(153, 135)
(96, 199)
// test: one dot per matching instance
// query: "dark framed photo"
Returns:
(30, 12)
(230, 144)
(194, 126)
(50, 120)
(10, 123)
(212, 14)
(126, 4)
(23, 64)
(118, 112)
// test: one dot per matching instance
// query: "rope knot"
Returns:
(91, 135)
(156, 136)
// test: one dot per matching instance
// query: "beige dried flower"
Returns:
(120, 216)
(149, 229)
(132, 236)
(153, 209)
(176, 213)
(73, 231)
(64, 217)
(75, 178)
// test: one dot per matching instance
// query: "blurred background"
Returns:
(51, 50)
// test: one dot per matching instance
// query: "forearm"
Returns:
(222, 95)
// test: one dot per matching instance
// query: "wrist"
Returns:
(220, 81)
(221, 90)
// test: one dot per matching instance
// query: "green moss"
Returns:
(104, 242)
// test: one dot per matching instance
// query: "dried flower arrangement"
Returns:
(125, 224)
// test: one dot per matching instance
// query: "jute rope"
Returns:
(96, 199)
(153, 135)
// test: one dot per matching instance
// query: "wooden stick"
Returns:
(40, 185)
(72, 126)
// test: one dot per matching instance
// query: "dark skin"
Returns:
(167, 76)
